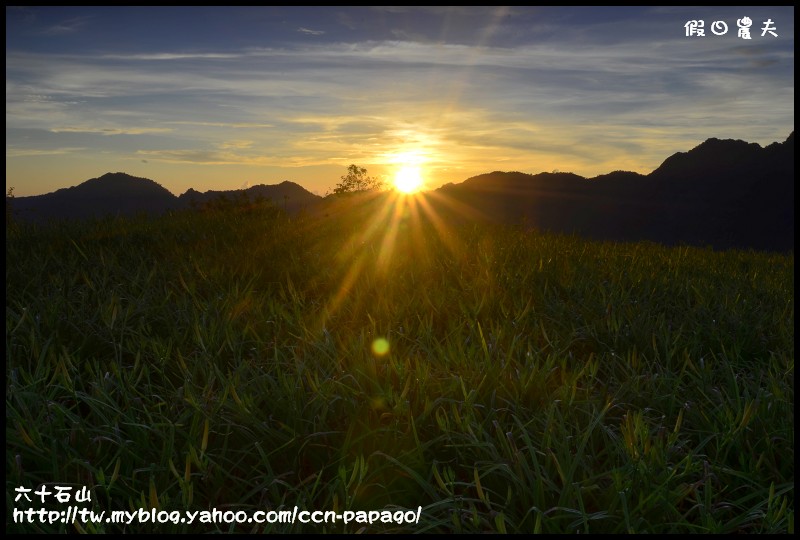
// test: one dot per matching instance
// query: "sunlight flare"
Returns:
(409, 164)
(408, 179)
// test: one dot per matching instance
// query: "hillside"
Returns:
(120, 194)
(723, 193)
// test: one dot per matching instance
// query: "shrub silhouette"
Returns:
(357, 180)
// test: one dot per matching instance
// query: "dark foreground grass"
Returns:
(533, 382)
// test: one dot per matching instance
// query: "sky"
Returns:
(225, 98)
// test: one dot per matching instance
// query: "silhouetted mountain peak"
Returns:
(288, 195)
(118, 193)
(121, 179)
(111, 194)
(117, 185)
(618, 175)
(786, 146)
(723, 192)
(515, 181)
(710, 157)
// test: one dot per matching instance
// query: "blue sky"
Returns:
(223, 98)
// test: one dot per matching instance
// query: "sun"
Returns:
(408, 179)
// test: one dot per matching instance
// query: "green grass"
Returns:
(534, 382)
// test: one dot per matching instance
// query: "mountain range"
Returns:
(122, 194)
(722, 193)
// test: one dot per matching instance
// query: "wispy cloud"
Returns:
(235, 125)
(310, 32)
(238, 144)
(109, 130)
(222, 157)
(170, 56)
(68, 26)
(28, 152)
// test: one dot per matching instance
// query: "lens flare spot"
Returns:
(380, 347)
(378, 403)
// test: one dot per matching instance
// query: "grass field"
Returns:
(502, 379)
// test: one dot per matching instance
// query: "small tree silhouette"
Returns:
(355, 180)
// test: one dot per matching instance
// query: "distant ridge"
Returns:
(111, 194)
(722, 193)
(120, 194)
(287, 195)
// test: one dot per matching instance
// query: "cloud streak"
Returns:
(310, 32)
(110, 131)
(32, 152)
(69, 26)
